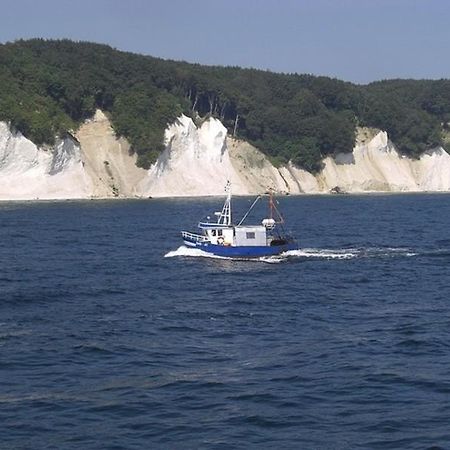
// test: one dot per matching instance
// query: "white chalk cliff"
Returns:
(27, 172)
(92, 164)
(198, 160)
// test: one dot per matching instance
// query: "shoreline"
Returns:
(201, 197)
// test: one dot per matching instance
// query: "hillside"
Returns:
(49, 88)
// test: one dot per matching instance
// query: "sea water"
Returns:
(115, 336)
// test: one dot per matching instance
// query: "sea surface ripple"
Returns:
(115, 336)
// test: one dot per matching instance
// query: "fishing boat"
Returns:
(223, 238)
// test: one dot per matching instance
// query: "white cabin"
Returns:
(251, 236)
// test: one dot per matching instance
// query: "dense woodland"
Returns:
(48, 88)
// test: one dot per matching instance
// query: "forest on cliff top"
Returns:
(49, 87)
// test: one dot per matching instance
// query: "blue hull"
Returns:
(242, 252)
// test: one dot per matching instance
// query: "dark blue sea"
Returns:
(110, 338)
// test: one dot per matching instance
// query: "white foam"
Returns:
(399, 250)
(276, 259)
(190, 252)
(323, 253)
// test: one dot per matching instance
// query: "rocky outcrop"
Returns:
(109, 165)
(197, 161)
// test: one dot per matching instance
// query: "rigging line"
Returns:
(280, 217)
(248, 212)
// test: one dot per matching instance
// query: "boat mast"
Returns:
(273, 210)
(225, 215)
(270, 204)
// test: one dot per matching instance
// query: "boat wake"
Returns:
(305, 254)
(352, 253)
(322, 253)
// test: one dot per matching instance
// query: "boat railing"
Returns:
(193, 237)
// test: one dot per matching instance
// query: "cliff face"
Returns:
(107, 161)
(27, 172)
(196, 161)
(376, 166)
(199, 161)
(93, 164)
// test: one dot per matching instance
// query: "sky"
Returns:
(353, 40)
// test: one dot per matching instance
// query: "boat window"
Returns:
(219, 233)
(213, 232)
(250, 235)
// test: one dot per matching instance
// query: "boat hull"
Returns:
(242, 251)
